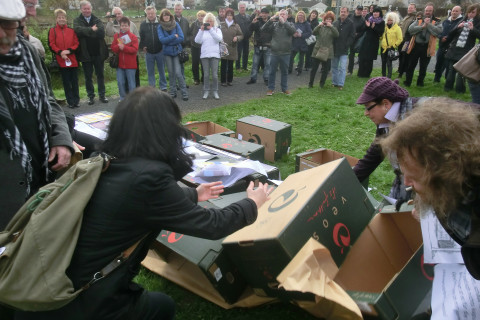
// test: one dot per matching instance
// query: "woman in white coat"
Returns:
(209, 36)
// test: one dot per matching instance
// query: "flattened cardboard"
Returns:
(326, 203)
(245, 149)
(198, 130)
(274, 135)
(314, 158)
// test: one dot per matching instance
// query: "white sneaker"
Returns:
(215, 95)
(205, 94)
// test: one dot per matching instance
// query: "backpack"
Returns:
(38, 244)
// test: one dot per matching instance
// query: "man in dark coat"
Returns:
(359, 25)
(243, 20)
(93, 50)
(261, 41)
(346, 31)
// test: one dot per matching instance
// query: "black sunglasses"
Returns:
(370, 107)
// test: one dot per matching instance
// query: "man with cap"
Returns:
(34, 136)
(92, 51)
(359, 26)
(261, 42)
(385, 103)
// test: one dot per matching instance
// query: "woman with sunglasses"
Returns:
(385, 103)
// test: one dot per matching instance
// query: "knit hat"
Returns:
(382, 88)
(13, 10)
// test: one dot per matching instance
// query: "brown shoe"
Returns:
(287, 92)
(340, 88)
(270, 93)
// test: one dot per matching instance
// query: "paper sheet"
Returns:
(455, 294)
(438, 246)
(238, 171)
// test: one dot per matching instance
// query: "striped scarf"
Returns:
(462, 39)
(18, 74)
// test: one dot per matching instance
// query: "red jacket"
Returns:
(127, 58)
(63, 38)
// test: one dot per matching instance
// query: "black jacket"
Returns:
(92, 43)
(244, 23)
(371, 42)
(149, 37)
(346, 37)
(183, 22)
(359, 25)
(134, 198)
(260, 38)
(456, 53)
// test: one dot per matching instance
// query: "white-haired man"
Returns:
(243, 20)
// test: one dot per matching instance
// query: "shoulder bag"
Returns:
(322, 54)
(469, 65)
(223, 49)
(392, 53)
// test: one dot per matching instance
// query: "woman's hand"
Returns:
(121, 46)
(259, 195)
(235, 39)
(211, 190)
(367, 23)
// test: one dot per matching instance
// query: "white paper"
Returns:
(389, 199)
(438, 246)
(125, 39)
(238, 171)
(85, 128)
(455, 294)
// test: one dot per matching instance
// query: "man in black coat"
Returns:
(92, 51)
(243, 20)
(341, 45)
(261, 41)
(359, 24)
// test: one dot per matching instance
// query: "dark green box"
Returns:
(274, 135)
(208, 255)
(245, 149)
(326, 203)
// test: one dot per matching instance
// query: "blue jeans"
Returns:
(258, 55)
(339, 69)
(97, 63)
(150, 59)
(125, 76)
(474, 91)
(210, 65)
(175, 73)
(282, 60)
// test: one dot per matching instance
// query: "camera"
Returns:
(112, 16)
(205, 25)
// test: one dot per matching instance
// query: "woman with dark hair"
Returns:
(136, 198)
(385, 103)
(461, 40)
(299, 45)
(313, 20)
(375, 27)
(171, 36)
(232, 34)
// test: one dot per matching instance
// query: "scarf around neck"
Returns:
(168, 25)
(462, 39)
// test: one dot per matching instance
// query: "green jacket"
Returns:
(281, 36)
(325, 36)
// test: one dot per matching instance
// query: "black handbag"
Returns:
(183, 56)
(113, 61)
(392, 53)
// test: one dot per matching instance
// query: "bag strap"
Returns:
(114, 264)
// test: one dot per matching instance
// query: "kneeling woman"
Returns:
(125, 44)
(138, 196)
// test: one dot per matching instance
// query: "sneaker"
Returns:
(287, 92)
(251, 81)
(270, 93)
(215, 95)
(205, 95)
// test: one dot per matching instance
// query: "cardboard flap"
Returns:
(312, 270)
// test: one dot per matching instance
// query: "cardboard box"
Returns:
(384, 271)
(245, 149)
(314, 158)
(274, 135)
(198, 130)
(207, 255)
(326, 203)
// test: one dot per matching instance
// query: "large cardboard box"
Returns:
(276, 136)
(207, 255)
(314, 158)
(198, 130)
(384, 271)
(326, 203)
(245, 149)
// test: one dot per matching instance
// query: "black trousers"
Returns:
(226, 71)
(301, 59)
(242, 51)
(326, 66)
(364, 68)
(453, 77)
(196, 64)
(70, 85)
(386, 65)
(97, 63)
(351, 58)
(419, 53)
(442, 64)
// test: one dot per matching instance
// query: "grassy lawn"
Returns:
(325, 118)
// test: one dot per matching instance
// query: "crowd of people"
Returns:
(279, 39)
(432, 143)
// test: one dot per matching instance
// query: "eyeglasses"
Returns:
(9, 25)
(370, 107)
(29, 5)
